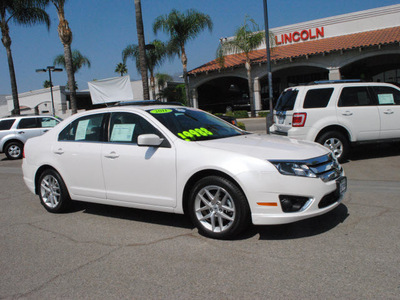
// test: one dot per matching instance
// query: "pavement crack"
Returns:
(121, 245)
(54, 278)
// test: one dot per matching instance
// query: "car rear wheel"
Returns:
(337, 143)
(14, 150)
(218, 208)
(53, 192)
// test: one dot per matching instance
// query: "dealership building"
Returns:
(362, 45)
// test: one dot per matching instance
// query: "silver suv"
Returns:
(14, 131)
(338, 114)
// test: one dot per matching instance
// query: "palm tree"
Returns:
(142, 51)
(78, 61)
(65, 35)
(247, 38)
(162, 79)
(155, 56)
(22, 12)
(121, 69)
(182, 27)
(47, 84)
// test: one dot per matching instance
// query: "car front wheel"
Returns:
(337, 143)
(218, 208)
(14, 150)
(53, 192)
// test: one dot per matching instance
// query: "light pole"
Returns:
(270, 116)
(50, 69)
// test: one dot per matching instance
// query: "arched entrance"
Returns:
(290, 76)
(223, 94)
(383, 68)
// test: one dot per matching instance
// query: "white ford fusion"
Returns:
(182, 160)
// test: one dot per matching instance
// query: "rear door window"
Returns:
(6, 124)
(28, 123)
(85, 129)
(355, 96)
(317, 98)
(287, 100)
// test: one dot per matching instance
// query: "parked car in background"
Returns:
(338, 114)
(15, 131)
(182, 160)
(229, 119)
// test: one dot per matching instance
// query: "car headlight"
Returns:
(293, 168)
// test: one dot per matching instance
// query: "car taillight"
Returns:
(299, 119)
(23, 153)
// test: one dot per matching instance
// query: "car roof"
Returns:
(333, 83)
(24, 116)
(131, 108)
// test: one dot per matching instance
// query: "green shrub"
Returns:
(239, 114)
(241, 125)
(263, 114)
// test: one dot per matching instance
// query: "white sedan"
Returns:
(182, 160)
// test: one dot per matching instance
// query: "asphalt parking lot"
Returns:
(102, 252)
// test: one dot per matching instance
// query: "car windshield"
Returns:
(286, 100)
(194, 125)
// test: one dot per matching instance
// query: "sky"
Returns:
(103, 28)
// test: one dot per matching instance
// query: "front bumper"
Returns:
(265, 204)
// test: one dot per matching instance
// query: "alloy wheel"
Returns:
(50, 191)
(214, 208)
(335, 145)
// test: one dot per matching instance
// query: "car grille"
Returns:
(325, 167)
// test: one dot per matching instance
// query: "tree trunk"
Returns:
(142, 50)
(65, 35)
(71, 78)
(251, 93)
(7, 44)
(153, 85)
(185, 75)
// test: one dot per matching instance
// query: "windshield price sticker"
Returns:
(160, 111)
(192, 134)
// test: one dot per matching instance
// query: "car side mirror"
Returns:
(150, 140)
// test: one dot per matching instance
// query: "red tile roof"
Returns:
(344, 42)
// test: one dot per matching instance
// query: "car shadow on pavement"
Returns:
(378, 150)
(133, 214)
(301, 229)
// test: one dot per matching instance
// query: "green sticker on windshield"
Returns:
(193, 134)
(161, 111)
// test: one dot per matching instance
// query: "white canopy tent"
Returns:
(111, 90)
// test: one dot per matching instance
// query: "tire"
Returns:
(14, 150)
(218, 208)
(337, 143)
(53, 193)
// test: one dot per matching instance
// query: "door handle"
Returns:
(45, 130)
(21, 132)
(347, 113)
(112, 155)
(59, 151)
(388, 112)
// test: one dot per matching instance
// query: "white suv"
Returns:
(14, 131)
(337, 114)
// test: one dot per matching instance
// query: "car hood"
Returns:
(268, 147)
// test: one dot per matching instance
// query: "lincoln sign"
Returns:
(297, 36)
